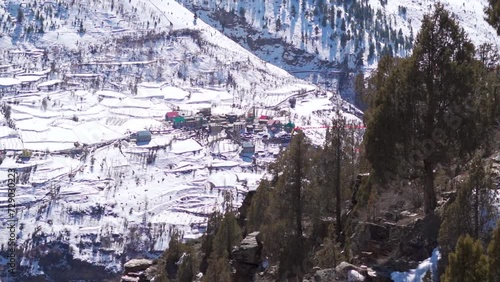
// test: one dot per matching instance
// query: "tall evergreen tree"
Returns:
(333, 154)
(488, 84)
(471, 211)
(467, 263)
(20, 15)
(213, 224)
(228, 235)
(283, 230)
(187, 267)
(218, 270)
(167, 265)
(421, 106)
(258, 208)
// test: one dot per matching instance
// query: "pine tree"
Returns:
(472, 209)
(282, 231)
(494, 255)
(371, 51)
(188, 266)
(167, 265)
(213, 224)
(278, 24)
(467, 263)
(359, 90)
(258, 208)
(330, 255)
(218, 270)
(422, 105)
(488, 78)
(81, 29)
(481, 202)
(333, 152)
(457, 221)
(20, 15)
(228, 235)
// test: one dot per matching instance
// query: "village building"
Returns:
(274, 126)
(194, 122)
(179, 122)
(232, 117)
(289, 127)
(239, 126)
(264, 119)
(143, 136)
(250, 117)
(204, 123)
(206, 112)
(248, 148)
(171, 115)
(215, 128)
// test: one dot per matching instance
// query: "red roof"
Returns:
(172, 114)
(264, 117)
(273, 122)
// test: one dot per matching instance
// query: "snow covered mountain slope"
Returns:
(310, 37)
(76, 78)
(90, 31)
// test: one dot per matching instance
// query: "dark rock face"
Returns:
(138, 270)
(243, 210)
(396, 246)
(419, 238)
(247, 257)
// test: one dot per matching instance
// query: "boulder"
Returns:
(247, 257)
(129, 279)
(249, 250)
(136, 265)
(344, 268)
(325, 275)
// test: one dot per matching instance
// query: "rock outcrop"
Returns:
(138, 270)
(244, 209)
(247, 257)
(347, 272)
